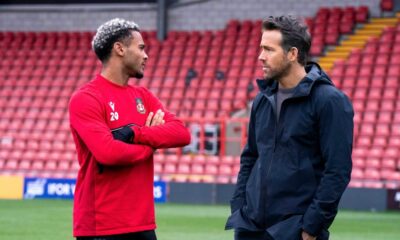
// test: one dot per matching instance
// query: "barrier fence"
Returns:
(215, 136)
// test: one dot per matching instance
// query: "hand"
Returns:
(155, 119)
(306, 236)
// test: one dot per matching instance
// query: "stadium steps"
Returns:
(372, 29)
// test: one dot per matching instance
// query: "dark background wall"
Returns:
(363, 199)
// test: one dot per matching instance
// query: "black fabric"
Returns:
(287, 229)
(124, 134)
(300, 165)
(145, 235)
(247, 235)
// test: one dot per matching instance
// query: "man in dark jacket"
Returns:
(297, 160)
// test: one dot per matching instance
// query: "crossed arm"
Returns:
(161, 129)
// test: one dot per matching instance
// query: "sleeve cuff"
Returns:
(136, 134)
(236, 204)
(312, 223)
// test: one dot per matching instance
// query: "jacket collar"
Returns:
(315, 75)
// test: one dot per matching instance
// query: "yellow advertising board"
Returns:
(11, 187)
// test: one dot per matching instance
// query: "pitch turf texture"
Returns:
(51, 219)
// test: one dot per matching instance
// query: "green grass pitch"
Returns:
(51, 219)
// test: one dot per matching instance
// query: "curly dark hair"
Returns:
(115, 30)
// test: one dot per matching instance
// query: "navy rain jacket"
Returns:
(294, 172)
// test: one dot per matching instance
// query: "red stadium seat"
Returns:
(199, 159)
(362, 13)
(197, 168)
(183, 168)
(357, 173)
(225, 170)
(372, 174)
(169, 168)
(211, 169)
(57, 63)
(373, 184)
(387, 5)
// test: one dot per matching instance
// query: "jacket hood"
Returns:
(315, 75)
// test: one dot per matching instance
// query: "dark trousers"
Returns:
(145, 235)
(241, 235)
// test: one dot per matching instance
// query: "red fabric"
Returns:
(120, 198)
(387, 5)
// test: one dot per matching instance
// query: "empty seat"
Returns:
(372, 174)
(387, 5)
(169, 168)
(197, 168)
(225, 65)
(183, 168)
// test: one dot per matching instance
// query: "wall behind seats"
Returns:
(212, 14)
(215, 13)
(73, 17)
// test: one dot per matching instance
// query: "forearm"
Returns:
(323, 209)
(169, 135)
(89, 126)
(120, 153)
(335, 138)
(248, 158)
(109, 151)
(247, 161)
(243, 176)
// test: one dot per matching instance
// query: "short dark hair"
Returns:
(107, 34)
(294, 34)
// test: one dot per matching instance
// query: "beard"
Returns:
(135, 73)
(279, 72)
(138, 75)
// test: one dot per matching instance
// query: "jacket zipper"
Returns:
(264, 185)
(276, 132)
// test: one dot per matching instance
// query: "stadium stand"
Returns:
(200, 74)
(370, 76)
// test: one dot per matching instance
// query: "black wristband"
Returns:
(124, 134)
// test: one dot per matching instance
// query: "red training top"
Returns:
(118, 199)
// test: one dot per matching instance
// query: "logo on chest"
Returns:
(113, 114)
(139, 106)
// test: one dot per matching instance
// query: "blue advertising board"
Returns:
(49, 188)
(160, 192)
(65, 188)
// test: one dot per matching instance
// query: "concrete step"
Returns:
(372, 25)
(328, 59)
(342, 48)
(336, 54)
(369, 32)
(387, 21)
(326, 66)
(359, 38)
(353, 43)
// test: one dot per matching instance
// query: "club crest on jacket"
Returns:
(139, 106)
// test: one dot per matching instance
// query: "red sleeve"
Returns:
(172, 133)
(87, 119)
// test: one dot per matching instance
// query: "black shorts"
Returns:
(145, 235)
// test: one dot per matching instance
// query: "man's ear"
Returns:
(292, 54)
(119, 48)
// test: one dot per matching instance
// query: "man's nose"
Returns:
(261, 57)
